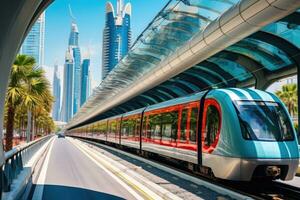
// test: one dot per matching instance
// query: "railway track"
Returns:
(272, 190)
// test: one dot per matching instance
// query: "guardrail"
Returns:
(16, 159)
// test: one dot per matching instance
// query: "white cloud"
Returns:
(91, 51)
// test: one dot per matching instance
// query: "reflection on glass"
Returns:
(212, 125)
(193, 128)
(183, 125)
(265, 121)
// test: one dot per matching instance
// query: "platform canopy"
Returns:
(257, 61)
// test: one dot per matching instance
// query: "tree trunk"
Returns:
(32, 127)
(36, 130)
(28, 130)
(9, 127)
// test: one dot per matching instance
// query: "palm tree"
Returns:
(37, 93)
(28, 89)
(15, 93)
(288, 95)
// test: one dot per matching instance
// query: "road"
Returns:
(70, 174)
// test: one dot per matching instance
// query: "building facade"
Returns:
(85, 81)
(56, 94)
(68, 88)
(116, 35)
(72, 76)
(74, 46)
(33, 44)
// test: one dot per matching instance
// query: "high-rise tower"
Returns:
(116, 35)
(85, 81)
(56, 94)
(33, 44)
(74, 46)
(68, 89)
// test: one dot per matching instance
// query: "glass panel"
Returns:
(265, 121)
(212, 125)
(146, 131)
(193, 127)
(155, 126)
(183, 128)
(287, 31)
(237, 71)
(169, 125)
(268, 55)
(138, 127)
(103, 127)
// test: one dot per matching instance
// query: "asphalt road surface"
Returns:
(72, 175)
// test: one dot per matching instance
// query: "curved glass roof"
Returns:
(272, 49)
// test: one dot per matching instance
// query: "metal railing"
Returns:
(16, 159)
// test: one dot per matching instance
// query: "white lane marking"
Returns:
(129, 189)
(39, 188)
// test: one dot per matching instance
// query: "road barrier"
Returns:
(16, 159)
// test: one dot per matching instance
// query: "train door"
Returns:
(211, 124)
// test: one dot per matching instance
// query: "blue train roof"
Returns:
(249, 94)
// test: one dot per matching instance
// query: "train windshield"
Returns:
(264, 121)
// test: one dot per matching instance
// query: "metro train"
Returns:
(245, 133)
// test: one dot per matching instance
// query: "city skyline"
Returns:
(90, 20)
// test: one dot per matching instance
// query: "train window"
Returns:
(169, 123)
(137, 127)
(193, 127)
(155, 126)
(183, 128)
(265, 121)
(102, 127)
(128, 127)
(212, 126)
(147, 128)
(124, 128)
(113, 126)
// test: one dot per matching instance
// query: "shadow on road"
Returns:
(55, 192)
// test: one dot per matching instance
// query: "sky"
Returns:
(90, 18)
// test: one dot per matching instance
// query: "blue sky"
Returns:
(90, 17)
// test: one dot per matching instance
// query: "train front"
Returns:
(257, 138)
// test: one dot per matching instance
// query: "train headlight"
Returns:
(273, 171)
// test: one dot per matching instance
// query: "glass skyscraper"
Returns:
(33, 44)
(56, 94)
(68, 89)
(85, 81)
(116, 35)
(73, 44)
(72, 76)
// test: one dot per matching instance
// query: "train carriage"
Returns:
(238, 134)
